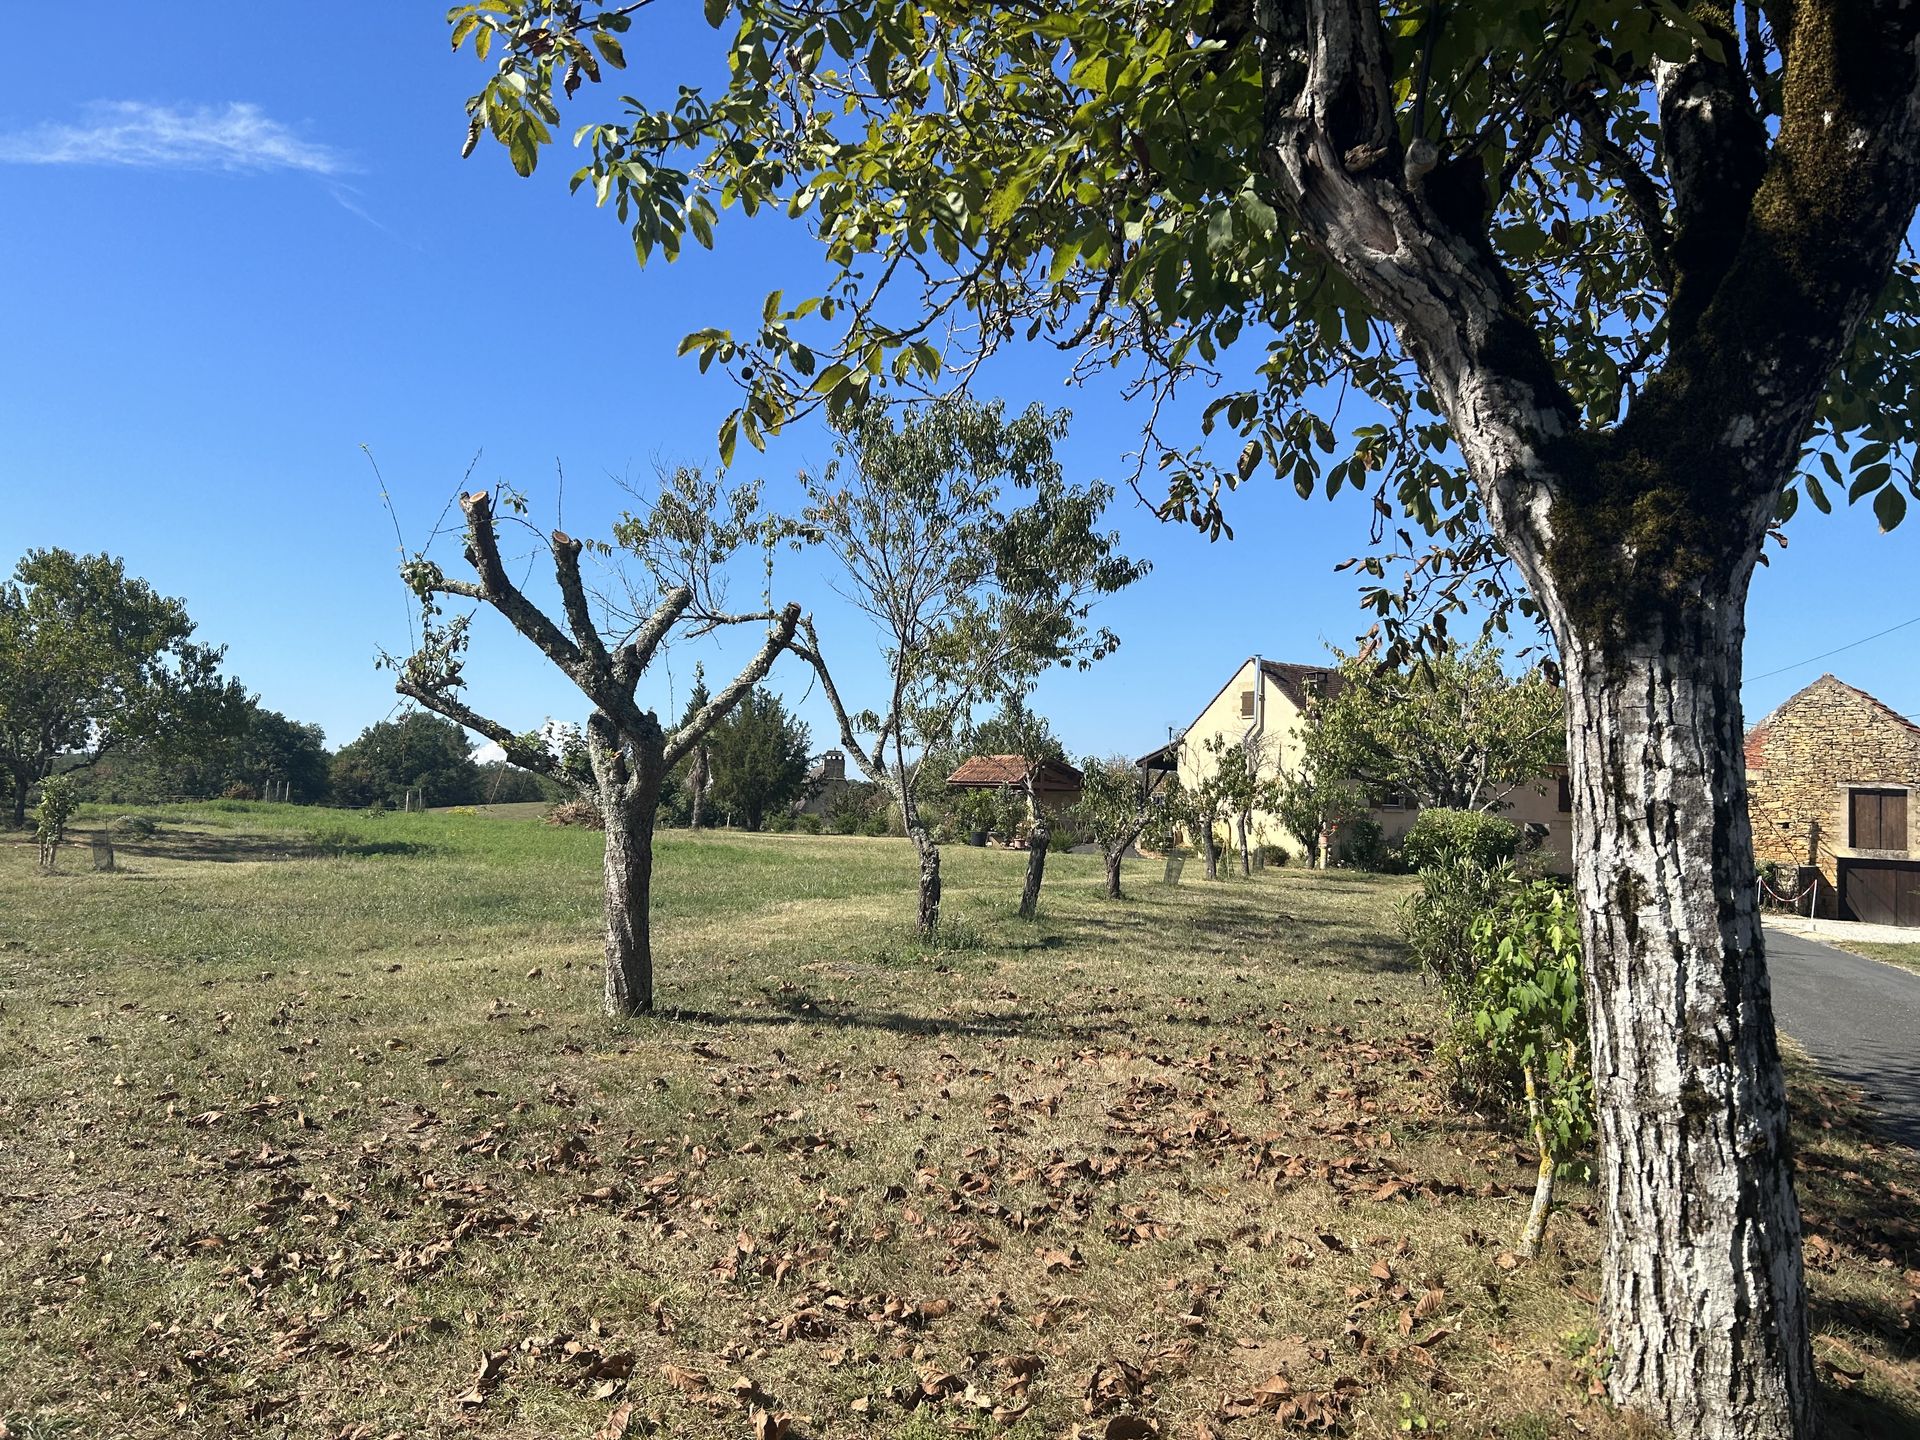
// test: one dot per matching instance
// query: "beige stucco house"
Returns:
(1264, 706)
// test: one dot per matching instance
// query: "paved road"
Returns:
(1859, 1018)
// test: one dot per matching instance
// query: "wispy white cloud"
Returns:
(233, 137)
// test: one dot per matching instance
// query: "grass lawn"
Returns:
(309, 1126)
(1905, 956)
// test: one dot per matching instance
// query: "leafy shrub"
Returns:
(1485, 840)
(1529, 1016)
(1438, 919)
(1275, 855)
(138, 827)
(876, 825)
(239, 790)
(807, 824)
(59, 798)
(1363, 845)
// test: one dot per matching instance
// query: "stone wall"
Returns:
(1804, 758)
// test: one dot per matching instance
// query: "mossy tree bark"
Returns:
(1638, 541)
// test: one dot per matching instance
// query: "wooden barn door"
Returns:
(1880, 892)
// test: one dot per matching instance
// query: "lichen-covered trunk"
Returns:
(929, 853)
(1113, 873)
(629, 882)
(1037, 841)
(1702, 1294)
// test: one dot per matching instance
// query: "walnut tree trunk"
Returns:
(627, 900)
(928, 918)
(1114, 857)
(1037, 841)
(1702, 1296)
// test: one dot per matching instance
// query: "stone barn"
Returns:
(1831, 778)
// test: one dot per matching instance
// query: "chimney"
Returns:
(833, 766)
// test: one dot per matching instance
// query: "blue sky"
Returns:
(231, 264)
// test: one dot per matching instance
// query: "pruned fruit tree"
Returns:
(1605, 287)
(621, 759)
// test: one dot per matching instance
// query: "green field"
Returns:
(309, 1126)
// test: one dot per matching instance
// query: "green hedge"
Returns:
(1471, 835)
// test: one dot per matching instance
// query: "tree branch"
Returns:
(717, 709)
(872, 764)
(540, 761)
(573, 596)
(1715, 148)
(1642, 194)
(637, 654)
(483, 553)
(1411, 234)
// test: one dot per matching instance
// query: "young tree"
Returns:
(1234, 781)
(1453, 729)
(698, 764)
(969, 598)
(93, 659)
(760, 755)
(1118, 802)
(417, 751)
(1017, 730)
(692, 527)
(1605, 269)
(1200, 811)
(1313, 801)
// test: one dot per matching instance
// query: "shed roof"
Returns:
(997, 770)
(1756, 738)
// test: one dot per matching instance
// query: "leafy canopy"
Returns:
(759, 755)
(92, 658)
(1453, 729)
(978, 563)
(1093, 175)
(391, 757)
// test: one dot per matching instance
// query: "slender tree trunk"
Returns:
(1037, 841)
(629, 882)
(697, 784)
(1113, 872)
(22, 782)
(1210, 848)
(1246, 856)
(1536, 1227)
(1702, 1294)
(929, 853)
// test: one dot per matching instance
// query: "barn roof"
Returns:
(1756, 739)
(996, 770)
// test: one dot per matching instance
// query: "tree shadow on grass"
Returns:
(227, 847)
(1263, 935)
(1857, 1414)
(797, 1009)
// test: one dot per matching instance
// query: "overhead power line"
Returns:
(1851, 644)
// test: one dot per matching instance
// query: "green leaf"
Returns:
(610, 49)
(1890, 507)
